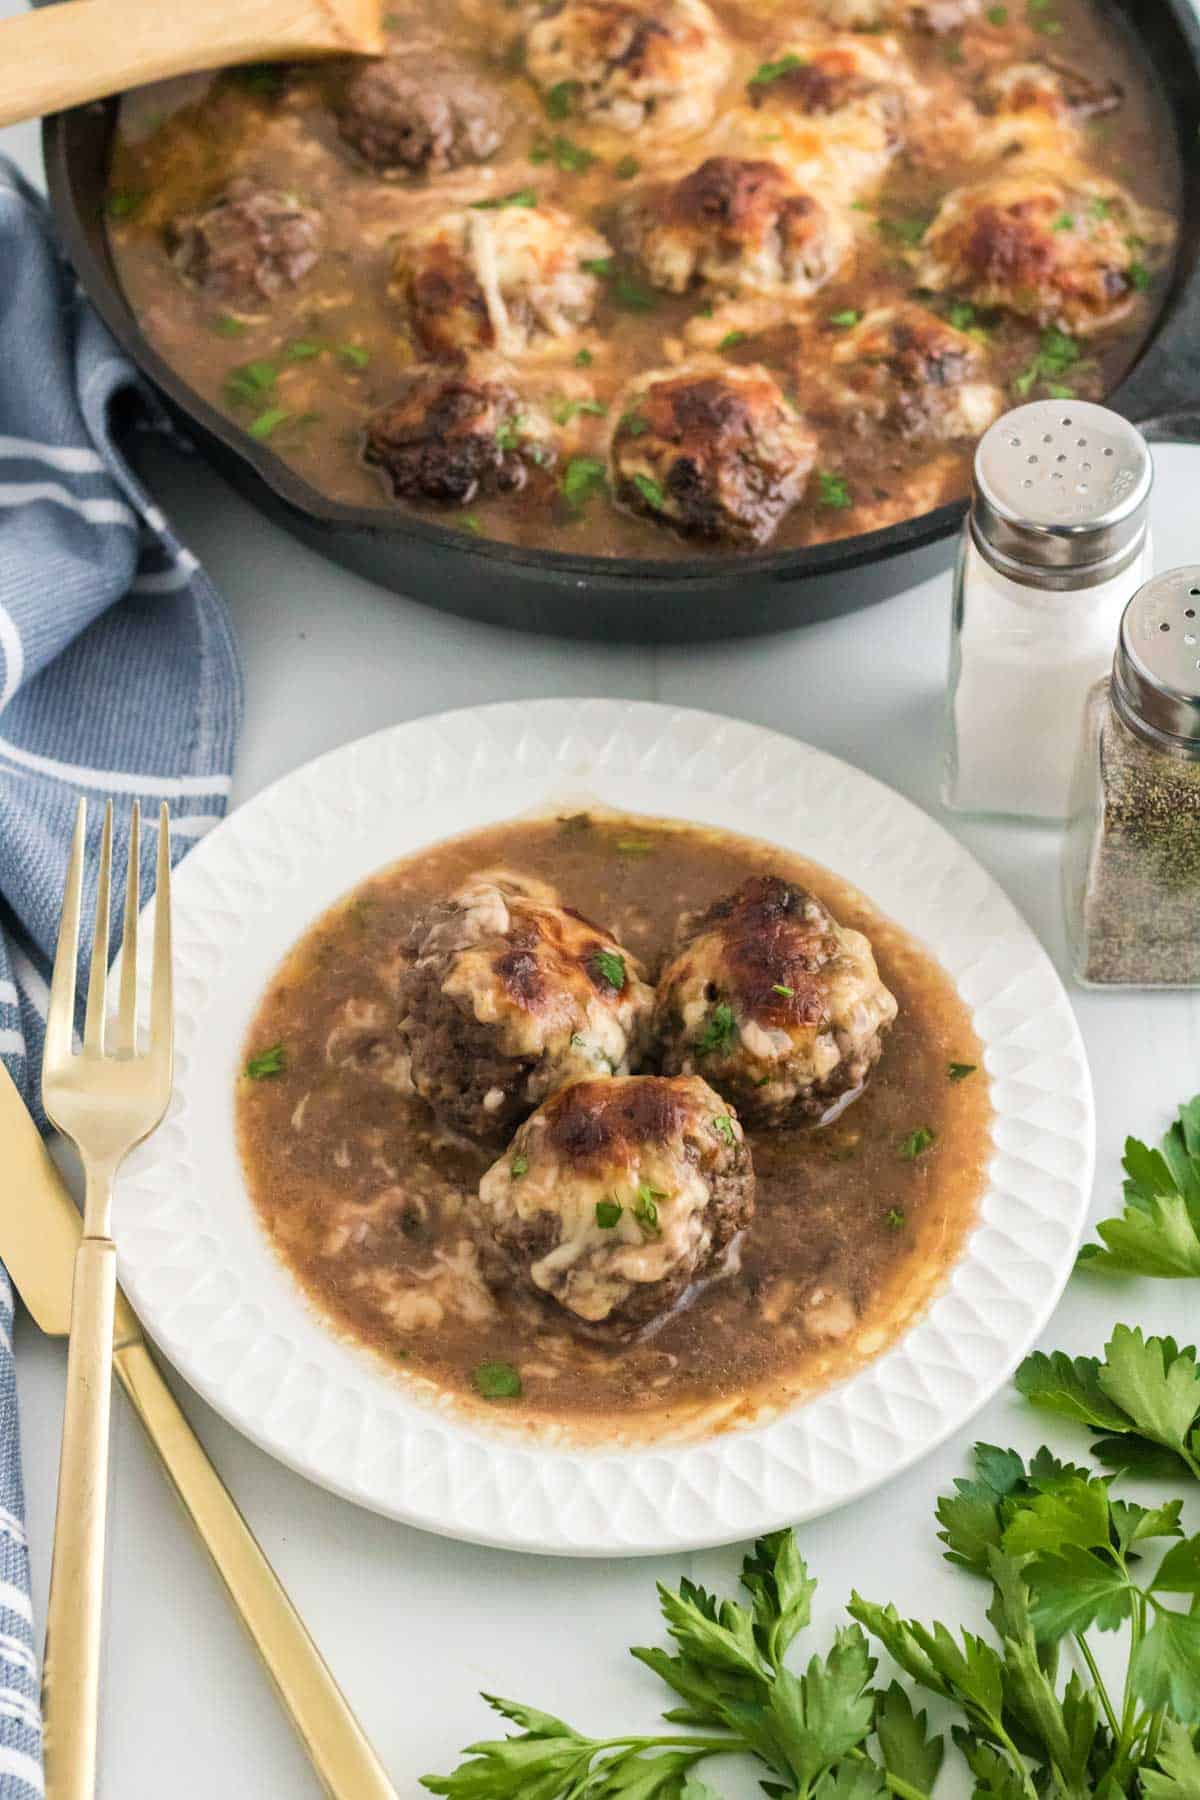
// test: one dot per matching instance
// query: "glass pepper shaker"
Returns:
(1131, 873)
(1056, 541)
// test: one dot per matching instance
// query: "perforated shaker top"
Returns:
(1156, 672)
(1061, 486)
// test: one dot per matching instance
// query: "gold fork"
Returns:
(105, 1099)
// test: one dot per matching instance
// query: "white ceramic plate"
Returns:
(213, 1295)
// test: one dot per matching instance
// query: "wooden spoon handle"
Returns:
(63, 55)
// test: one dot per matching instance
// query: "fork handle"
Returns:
(345, 1763)
(71, 1662)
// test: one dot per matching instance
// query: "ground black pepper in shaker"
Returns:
(1132, 860)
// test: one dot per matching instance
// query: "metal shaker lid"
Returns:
(1156, 670)
(1061, 487)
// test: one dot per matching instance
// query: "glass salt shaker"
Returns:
(1131, 869)
(1056, 541)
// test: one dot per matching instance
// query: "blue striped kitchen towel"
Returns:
(118, 677)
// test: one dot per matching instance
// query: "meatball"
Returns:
(904, 367)
(630, 64)
(497, 276)
(780, 1006)
(421, 113)
(711, 449)
(248, 245)
(453, 437)
(901, 15)
(1035, 109)
(1061, 253)
(510, 996)
(739, 225)
(835, 109)
(616, 1200)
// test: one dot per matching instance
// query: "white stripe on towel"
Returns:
(96, 512)
(18, 1654)
(14, 658)
(115, 781)
(55, 456)
(11, 1526)
(32, 985)
(167, 581)
(12, 1043)
(22, 1768)
(14, 1600)
(8, 993)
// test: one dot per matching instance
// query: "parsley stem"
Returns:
(1085, 1650)
(1129, 1708)
(895, 1784)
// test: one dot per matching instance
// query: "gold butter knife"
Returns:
(40, 1230)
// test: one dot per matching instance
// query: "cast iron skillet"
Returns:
(624, 597)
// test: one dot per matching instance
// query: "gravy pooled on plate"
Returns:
(370, 1202)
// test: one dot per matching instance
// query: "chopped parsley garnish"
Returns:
(565, 410)
(229, 325)
(917, 1143)
(471, 522)
(497, 1381)
(844, 320)
(780, 987)
(1057, 354)
(571, 158)
(1100, 208)
(519, 1166)
(608, 1214)
(770, 72)
(123, 204)
(558, 100)
(584, 359)
(907, 229)
(268, 1062)
(627, 168)
(302, 350)
(894, 1218)
(525, 196)
(602, 266)
(1139, 277)
(961, 315)
(650, 491)
(997, 15)
(1064, 222)
(645, 1207)
(731, 340)
(582, 477)
(268, 421)
(633, 425)
(633, 294)
(706, 311)
(610, 967)
(354, 355)
(960, 1071)
(834, 490)
(723, 1126)
(718, 1033)
(1042, 19)
(508, 434)
(250, 383)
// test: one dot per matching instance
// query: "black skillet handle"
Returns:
(1161, 393)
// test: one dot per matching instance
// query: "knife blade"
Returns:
(40, 1228)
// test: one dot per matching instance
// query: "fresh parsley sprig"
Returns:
(1144, 1398)
(1159, 1232)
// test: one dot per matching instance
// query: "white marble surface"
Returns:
(411, 1624)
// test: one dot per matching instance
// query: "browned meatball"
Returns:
(739, 224)
(631, 64)
(711, 449)
(904, 367)
(774, 1002)
(616, 1200)
(511, 995)
(453, 438)
(1064, 253)
(248, 245)
(901, 15)
(424, 113)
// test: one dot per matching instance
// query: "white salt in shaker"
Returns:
(1056, 542)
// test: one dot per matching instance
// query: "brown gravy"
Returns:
(328, 353)
(365, 1199)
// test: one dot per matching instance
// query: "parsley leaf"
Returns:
(267, 1062)
(123, 204)
(723, 1126)
(251, 383)
(894, 1218)
(1159, 1231)
(719, 1032)
(608, 1213)
(834, 490)
(1057, 354)
(960, 1071)
(645, 1207)
(610, 968)
(917, 1143)
(497, 1381)
(526, 197)
(268, 421)
(519, 1166)
(559, 99)
(650, 491)
(1145, 1398)
(582, 477)
(769, 72)
(627, 168)
(844, 320)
